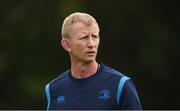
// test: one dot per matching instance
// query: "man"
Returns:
(88, 84)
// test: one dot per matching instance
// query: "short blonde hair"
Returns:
(76, 17)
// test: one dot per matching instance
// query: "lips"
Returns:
(91, 52)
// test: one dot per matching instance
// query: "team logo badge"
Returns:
(61, 99)
(104, 94)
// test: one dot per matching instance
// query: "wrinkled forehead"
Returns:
(82, 25)
(82, 28)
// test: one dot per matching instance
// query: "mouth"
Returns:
(91, 53)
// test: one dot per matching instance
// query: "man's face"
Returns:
(84, 41)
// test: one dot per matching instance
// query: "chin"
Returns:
(89, 60)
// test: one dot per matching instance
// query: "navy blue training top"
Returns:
(108, 89)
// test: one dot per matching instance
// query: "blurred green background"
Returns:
(140, 38)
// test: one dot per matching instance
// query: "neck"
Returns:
(84, 70)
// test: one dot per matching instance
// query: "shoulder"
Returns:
(109, 71)
(62, 77)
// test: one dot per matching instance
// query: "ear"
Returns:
(66, 44)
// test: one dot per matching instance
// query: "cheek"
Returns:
(97, 43)
(79, 48)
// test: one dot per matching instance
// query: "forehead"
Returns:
(82, 28)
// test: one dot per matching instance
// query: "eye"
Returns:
(94, 36)
(84, 37)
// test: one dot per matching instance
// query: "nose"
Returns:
(91, 42)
